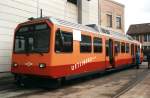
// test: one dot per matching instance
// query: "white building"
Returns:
(13, 12)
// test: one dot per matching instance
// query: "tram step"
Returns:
(110, 69)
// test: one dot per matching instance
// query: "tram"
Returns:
(56, 49)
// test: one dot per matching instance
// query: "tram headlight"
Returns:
(14, 65)
(42, 65)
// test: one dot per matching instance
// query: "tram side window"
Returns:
(20, 44)
(132, 49)
(85, 44)
(127, 47)
(107, 48)
(97, 45)
(63, 42)
(123, 47)
(117, 47)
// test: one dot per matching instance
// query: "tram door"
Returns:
(109, 54)
(133, 53)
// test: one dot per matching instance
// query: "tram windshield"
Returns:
(32, 39)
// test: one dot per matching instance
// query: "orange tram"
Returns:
(57, 49)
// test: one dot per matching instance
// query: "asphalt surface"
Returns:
(105, 85)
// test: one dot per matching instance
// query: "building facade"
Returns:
(112, 15)
(13, 12)
(107, 13)
(141, 32)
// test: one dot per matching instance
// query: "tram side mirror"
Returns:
(19, 44)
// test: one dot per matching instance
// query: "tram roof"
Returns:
(72, 25)
(91, 28)
(88, 28)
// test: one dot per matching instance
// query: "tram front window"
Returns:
(32, 39)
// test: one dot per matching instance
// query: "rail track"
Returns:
(139, 77)
(9, 90)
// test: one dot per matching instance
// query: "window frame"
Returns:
(81, 51)
(75, 2)
(32, 28)
(100, 46)
(148, 37)
(109, 20)
(118, 22)
(123, 47)
(127, 50)
(63, 52)
(145, 37)
(137, 37)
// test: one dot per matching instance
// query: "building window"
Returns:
(145, 47)
(97, 45)
(141, 38)
(133, 37)
(63, 42)
(118, 22)
(145, 38)
(148, 37)
(109, 20)
(137, 37)
(85, 44)
(73, 1)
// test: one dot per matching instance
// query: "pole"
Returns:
(99, 12)
(41, 15)
(37, 1)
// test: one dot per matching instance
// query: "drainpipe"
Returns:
(99, 12)
(37, 2)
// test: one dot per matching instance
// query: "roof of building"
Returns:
(120, 4)
(139, 28)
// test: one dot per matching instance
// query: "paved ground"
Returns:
(141, 90)
(97, 86)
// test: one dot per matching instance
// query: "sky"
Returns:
(136, 11)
